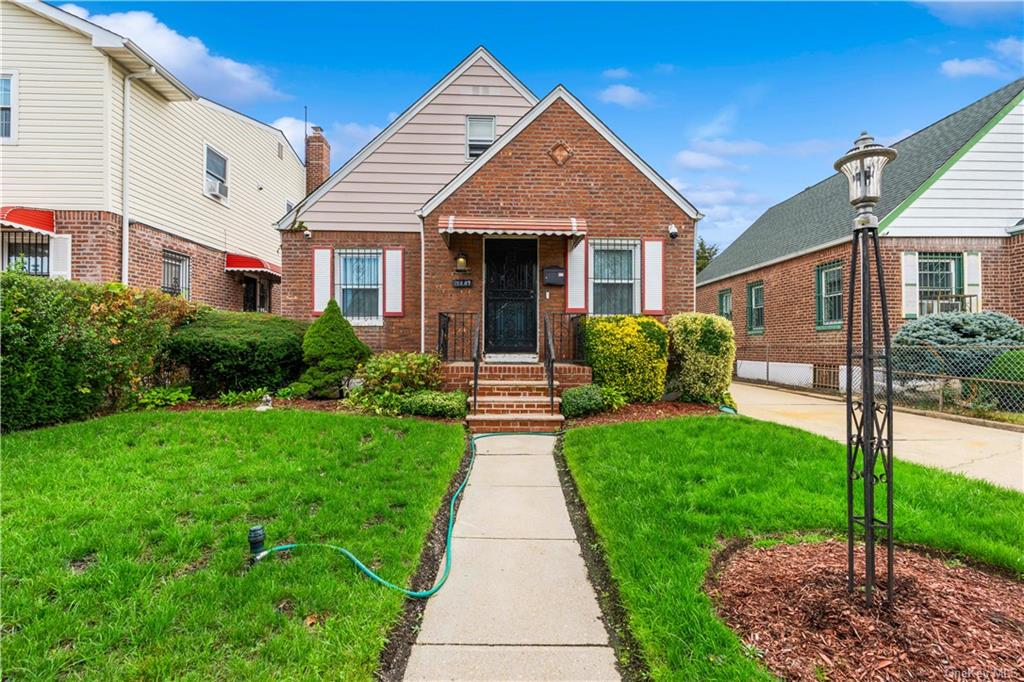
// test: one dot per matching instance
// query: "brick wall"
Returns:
(96, 257)
(397, 333)
(789, 296)
(597, 184)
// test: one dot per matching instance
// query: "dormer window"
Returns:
(479, 135)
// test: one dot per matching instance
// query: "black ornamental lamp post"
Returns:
(869, 418)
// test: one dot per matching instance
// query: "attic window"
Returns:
(479, 135)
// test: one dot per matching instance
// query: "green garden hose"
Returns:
(415, 594)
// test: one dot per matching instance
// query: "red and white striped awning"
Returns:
(561, 227)
(236, 262)
(29, 219)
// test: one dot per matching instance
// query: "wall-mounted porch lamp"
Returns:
(869, 419)
(461, 262)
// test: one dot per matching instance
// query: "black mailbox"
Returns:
(554, 276)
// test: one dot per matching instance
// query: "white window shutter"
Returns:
(394, 282)
(654, 277)
(60, 256)
(909, 281)
(576, 277)
(972, 277)
(321, 279)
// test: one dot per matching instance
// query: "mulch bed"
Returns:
(641, 412)
(949, 621)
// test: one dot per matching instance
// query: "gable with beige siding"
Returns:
(384, 191)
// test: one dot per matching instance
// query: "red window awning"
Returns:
(29, 219)
(564, 227)
(236, 262)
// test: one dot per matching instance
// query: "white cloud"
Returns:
(725, 147)
(979, 66)
(292, 129)
(721, 124)
(392, 115)
(348, 138)
(1010, 49)
(624, 95)
(972, 14)
(695, 160)
(665, 69)
(187, 57)
(617, 73)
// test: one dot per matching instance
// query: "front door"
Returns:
(510, 296)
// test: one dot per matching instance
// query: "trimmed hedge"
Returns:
(231, 351)
(71, 349)
(332, 352)
(629, 353)
(434, 404)
(702, 351)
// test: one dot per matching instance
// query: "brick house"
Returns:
(160, 189)
(484, 216)
(952, 238)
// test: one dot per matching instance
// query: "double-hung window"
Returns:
(26, 252)
(8, 107)
(939, 282)
(216, 178)
(615, 277)
(480, 134)
(177, 274)
(725, 303)
(358, 285)
(755, 307)
(828, 289)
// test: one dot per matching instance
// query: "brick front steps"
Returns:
(513, 397)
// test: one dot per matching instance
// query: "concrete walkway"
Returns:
(518, 604)
(991, 454)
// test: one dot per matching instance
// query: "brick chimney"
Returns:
(318, 158)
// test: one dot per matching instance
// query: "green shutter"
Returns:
(750, 308)
(817, 296)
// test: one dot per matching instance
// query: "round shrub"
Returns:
(588, 399)
(1007, 367)
(629, 353)
(400, 373)
(955, 344)
(72, 349)
(231, 351)
(332, 351)
(702, 351)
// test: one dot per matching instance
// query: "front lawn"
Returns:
(660, 495)
(124, 542)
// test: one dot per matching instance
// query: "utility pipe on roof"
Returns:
(126, 120)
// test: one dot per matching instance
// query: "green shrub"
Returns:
(434, 404)
(332, 352)
(629, 353)
(233, 398)
(400, 373)
(1007, 367)
(702, 352)
(71, 350)
(957, 344)
(232, 351)
(165, 396)
(588, 399)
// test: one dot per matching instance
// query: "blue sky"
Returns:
(740, 104)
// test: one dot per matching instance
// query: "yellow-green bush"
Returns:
(629, 353)
(701, 355)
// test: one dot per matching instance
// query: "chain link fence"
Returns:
(979, 380)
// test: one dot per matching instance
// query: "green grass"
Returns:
(662, 494)
(158, 504)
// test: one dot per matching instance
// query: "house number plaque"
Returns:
(462, 283)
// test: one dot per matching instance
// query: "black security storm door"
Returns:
(510, 296)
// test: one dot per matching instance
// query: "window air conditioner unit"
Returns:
(216, 188)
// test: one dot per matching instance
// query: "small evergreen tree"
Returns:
(705, 253)
(332, 352)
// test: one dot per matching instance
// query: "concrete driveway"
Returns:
(995, 455)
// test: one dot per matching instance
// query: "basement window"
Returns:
(480, 134)
(177, 275)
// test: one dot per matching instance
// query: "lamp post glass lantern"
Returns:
(869, 404)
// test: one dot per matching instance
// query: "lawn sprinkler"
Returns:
(257, 536)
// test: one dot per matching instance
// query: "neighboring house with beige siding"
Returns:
(204, 183)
